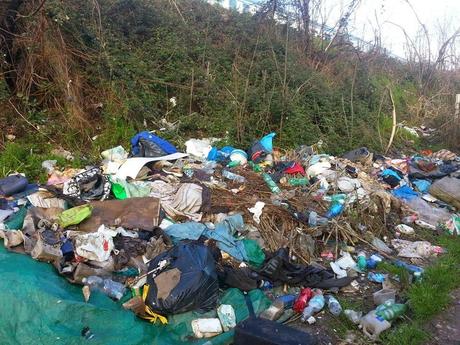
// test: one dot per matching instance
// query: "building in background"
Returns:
(242, 6)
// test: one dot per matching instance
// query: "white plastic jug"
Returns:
(373, 326)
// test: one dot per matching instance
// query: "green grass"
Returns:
(407, 334)
(430, 296)
(27, 156)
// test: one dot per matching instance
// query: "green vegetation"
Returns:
(228, 72)
(430, 296)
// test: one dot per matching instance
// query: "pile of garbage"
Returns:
(169, 233)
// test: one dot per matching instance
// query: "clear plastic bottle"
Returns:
(353, 316)
(314, 219)
(234, 177)
(314, 305)
(209, 166)
(334, 306)
(112, 289)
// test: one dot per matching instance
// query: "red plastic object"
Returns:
(296, 168)
(302, 301)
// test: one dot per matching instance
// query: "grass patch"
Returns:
(27, 157)
(407, 334)
(430, 296)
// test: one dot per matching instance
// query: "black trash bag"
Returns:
(189, 282)
(148, 148)
(279, 270)
(358, 155)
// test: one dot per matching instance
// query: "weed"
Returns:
(407, 334)
(430, 296)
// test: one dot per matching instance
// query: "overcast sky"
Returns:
(433, 13)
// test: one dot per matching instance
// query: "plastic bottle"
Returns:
(303, 181)
(410, 268)
(234, 177)
(315, 220)
(108, 286)
(353, 316)
(334, 210)
(314, 306)
(334, 306)
(301, 302)
(390, 310)
(285, 301)
(362, 262)
(255, 167)
(271, 184)
(233, 164)
(209, 166)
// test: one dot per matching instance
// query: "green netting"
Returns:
(37, 306)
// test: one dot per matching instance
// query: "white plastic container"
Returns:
(384, 295)
(206, 328)
(373, 326)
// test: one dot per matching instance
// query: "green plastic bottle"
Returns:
(271, 184)
(255, 167)
(303, 181)
(390, 311)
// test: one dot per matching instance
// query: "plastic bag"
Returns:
(75, 215)
(197, 286)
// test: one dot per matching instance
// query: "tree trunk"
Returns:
(8, 29)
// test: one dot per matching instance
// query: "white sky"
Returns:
(433, 13)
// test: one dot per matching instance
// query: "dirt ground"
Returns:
(445, 328)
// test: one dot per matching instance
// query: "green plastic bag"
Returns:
(123, 190)
(255, 254)
(75, 215)
(16, 221)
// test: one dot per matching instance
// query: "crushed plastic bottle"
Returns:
(314, 305)
(234, 177)
(314, 219)
(353, 316)
(334, 306)
(112, 289)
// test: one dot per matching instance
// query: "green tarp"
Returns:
(37, 306)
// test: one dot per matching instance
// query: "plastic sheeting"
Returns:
(40, 307)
